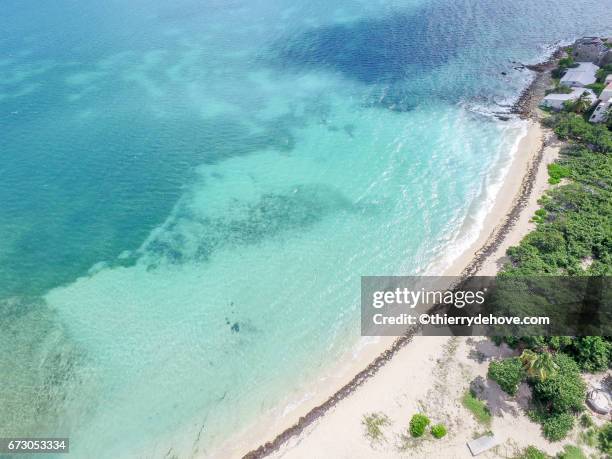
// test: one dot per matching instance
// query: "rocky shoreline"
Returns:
(526, 105)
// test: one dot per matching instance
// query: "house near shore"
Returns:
(557, 101)
(602, 111)
(580, 76)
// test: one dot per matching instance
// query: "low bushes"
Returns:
(477, 407)
(438, 431)
(605, 438)
(557, 395)
(556, 172)
(373, 424)
(563, 392)
(418, 423)
(592, 353)
(508, 373)
(531, 452)
(556, 427)
(571, 452)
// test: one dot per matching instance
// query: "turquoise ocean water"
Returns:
(190, 190)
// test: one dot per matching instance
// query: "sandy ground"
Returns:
(431, 373)
(430, 376)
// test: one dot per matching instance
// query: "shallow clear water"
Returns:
(189, 193)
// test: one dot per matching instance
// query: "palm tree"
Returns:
(539, 366)
(582, 104)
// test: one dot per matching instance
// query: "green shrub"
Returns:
(575, 127)
(540, 216)
(605, 438)
(603, 72)
(508, 373)
(531, 452)
(438, 430)
(558, 72)
(477, 407)
(373, 424)
(559, 343)
(556, 172)
(571, 452)
(592, 353)
(557, 427)
(564, 391)
(418, 423)
(567, 62)
(596, 87)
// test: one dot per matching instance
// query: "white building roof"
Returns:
(609, 78)
(575, 94)
(556, 101)
(583, 74)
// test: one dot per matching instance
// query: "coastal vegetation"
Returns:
(531, 452)
(571, 452)
(577, 215)
(605, 438)
(573, 237)
(540, 366)
(477, 407)
(508, 373)
(373, 423)
(556, 172)
(418, 424)
(598, 437)
(557, 387)
(571, 126)
(438, 430)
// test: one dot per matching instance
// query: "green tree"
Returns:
(564, 391)
(508, 373)
(557, 427)
(539, 366)
(418, 423)
(592, 353)
(605, 438)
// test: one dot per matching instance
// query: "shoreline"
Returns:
(511, 211)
